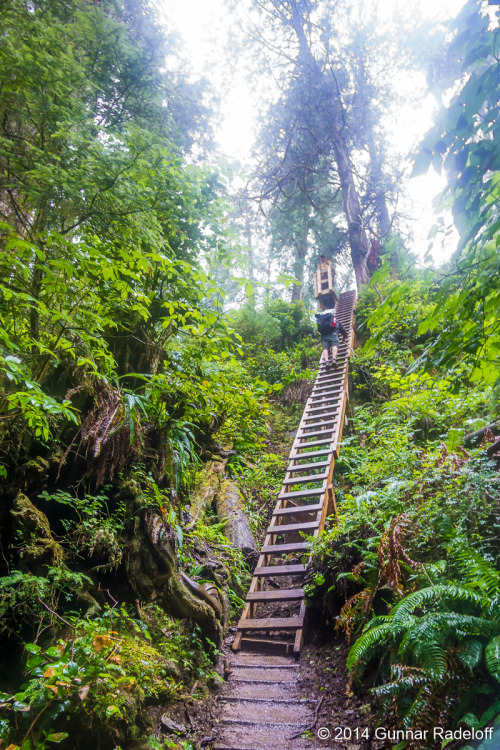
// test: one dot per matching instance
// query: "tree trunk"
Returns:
(154, 574)
(250, 261)
(298, 266)
(358, 240)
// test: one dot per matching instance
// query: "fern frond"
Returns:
(492, 657)
(470, 651)
(431, 656)
(405, 679)
(478, 572)
(441, 592)
(370, 641)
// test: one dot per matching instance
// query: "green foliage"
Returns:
(95, 527)
(279, 325)
(103, 669)
(27, 600)
(464, 318)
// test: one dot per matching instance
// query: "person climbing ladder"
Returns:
(329, 328)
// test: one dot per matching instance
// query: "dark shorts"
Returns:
(331, 339)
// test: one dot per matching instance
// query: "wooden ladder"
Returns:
(305, 500)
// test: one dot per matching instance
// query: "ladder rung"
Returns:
(280, 570)
(313, 443)
(304, 493)
(306, 467)
(318, 419)
(276, 549)
(329, 404)
(297, 509)
(307, 478)
(280, 595)
(272, 623)
(289, 528)
(323, 391)
(330, 431)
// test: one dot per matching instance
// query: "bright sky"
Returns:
(204, 29)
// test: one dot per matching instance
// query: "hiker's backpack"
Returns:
(326, 322)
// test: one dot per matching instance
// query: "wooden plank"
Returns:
(299, 636)
(288, 528)
(318, 420)
(322, 391)
(277, 549)
(307, 478)
(279, 570)
(305, 467)
(312, 443)
(298, 509)
(280, 595)
(301, 493)
(321, 394)
(333, 377)
(313, 433)
(307, 454)
(329, 405)
(272, 623)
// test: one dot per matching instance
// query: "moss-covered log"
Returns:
(230, 508)
(207, 488)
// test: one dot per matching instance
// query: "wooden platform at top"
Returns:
(275, 609)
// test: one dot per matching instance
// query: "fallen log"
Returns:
(230, 508)
(479, 434)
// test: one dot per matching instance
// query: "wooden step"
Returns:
(282, 549)
(307, 454)
(312, 443)
(298, 509)
(322, 393)
(318, 420)
(304, 493)
(329, 405)
(272, 623)
(280, 570)
(322, 387)
(324, 414)
(307, 478)
(289, 528)
(331, 378)
(267, 646)
(322, 390)
(279, 595)
(313, 433)
(306, 467)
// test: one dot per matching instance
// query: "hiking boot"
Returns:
(333, 363)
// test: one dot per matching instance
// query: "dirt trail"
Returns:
(282, 703)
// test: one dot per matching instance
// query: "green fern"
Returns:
(470, 652)
(370, 642)
(436, 594)
(492, 657)
(477, 572)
